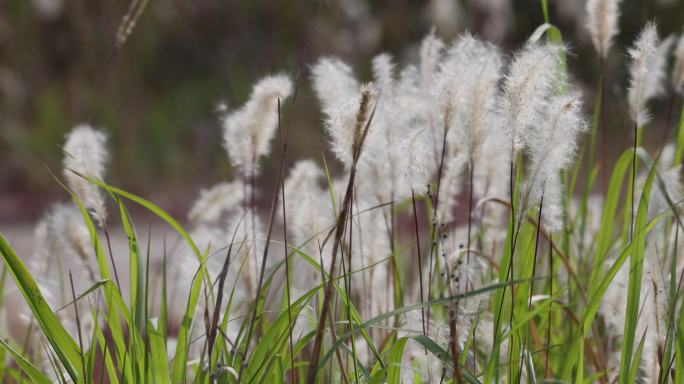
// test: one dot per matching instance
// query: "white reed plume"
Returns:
(62, 244)
(215, 201)
(552, 148)
(466, 85)
(347, 117)
(85, 155)
(678, 69)
(333, 83)
(247, 132)
(646, 73)
(532, 78)
(468, 82)
(383, 75)
(430, 56)
(397, 147)
(308, 207)
(602, 22)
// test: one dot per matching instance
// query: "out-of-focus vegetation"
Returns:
(157, 96)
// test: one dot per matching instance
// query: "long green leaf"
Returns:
(31, 371)
(63, 344)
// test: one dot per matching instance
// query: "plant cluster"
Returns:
(465, 240)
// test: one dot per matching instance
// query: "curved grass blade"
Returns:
(63, 344)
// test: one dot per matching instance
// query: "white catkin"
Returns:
(247, 132)
(215, 201)
(644, 80)
(467, 83)
(333, 83)
(341, 121)
(552, 148)
(602, 22)
(531, 80)
(430, 56)
(678, 69)
(309, 213)
(85, 153)
(397, 145)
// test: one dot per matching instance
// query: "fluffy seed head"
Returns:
(467, 83)
(309, 211)
(602, 22)
(552, 148)
(215, 201)
(333, 83)
(383, 75)
(647, 71)
(247, 132)
(430, 54)
(530, 82)
(85, 153)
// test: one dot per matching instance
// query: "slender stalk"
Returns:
(548, 330)
(78, 328)
(360, 134)
(111, 256)
(347, 286)
(471, 170)
(420, 262)
(534, 270)
(633, 182)
(287, 261)
(602, 122)
(434, 233)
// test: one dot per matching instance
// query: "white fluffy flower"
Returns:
(552, 148)
(602, 22)
(85, 153)
(647, 72)
(217, 200)
(532, 78)
(247, 132)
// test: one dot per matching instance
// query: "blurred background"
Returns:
(157, 95)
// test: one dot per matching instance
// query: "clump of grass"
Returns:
(385, 275)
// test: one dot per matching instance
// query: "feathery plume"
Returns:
(310, 214)
(85, 153)
(530, 82)
(646, 73)
(215, 201)
(346, 122)
(430, 55)
(383, 75)
(467, 83)
(678, 70)
(602, 22)
(333, 83)
(248, 131)
(552, 148)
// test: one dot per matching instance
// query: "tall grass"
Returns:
(382, 274)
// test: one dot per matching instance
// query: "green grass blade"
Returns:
(63, 344)
(636, 267)
(394, 361)
(31, 371)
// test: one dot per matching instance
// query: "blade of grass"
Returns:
(63, 344)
